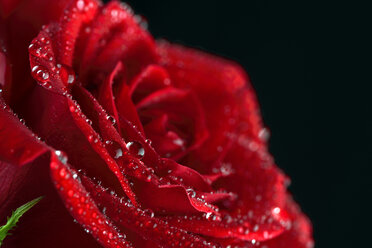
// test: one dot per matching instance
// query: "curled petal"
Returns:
(59, 121)
(126, 40)
(144, 222)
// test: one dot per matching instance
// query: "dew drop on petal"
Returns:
(80, 4)
(114, 149)
(70, 193)
(40, 73)
(149, 212)
(111, 119)
(62, 173)
(67, 74)
(136, 149)
(191, 192)
(264, 134)
(61, 156)
(34, 49)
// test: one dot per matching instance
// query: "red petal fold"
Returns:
(25, 176)
(111, 32)
(106, 96)
(143, 222)
(83, 208)
(59, 121)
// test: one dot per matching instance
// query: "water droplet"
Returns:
(89, 121)
(34, 49)
(80, 5)
(92, 138)
(67, 74)
(136, 149)
(178, 142)
(70, 193)
(276, 211)
(149, 212)
(148, 178)
(73, 108)
(40, 73)
(114, 149)
(191, 193)
(264, 134)
(208, 215)
(63, 173)
(61, 156)
(111, 119)
(80, 211)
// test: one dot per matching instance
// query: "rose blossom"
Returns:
(132, 142)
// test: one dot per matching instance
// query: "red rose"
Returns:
(132, 142)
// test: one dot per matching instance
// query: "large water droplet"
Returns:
(191, 192)
(111, 119)
(80, 5)
(114, 149)
(34, 49)
(40, 73)
(136, 149)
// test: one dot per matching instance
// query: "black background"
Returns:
(307, 62)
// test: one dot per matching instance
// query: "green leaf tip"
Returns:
(16, 215)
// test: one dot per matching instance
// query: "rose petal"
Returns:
(239, 227)
(7, 6)
(300, 233)
(114, 19)
(18, 145)
(127, 109)
(5, 75)
(48, 223)
(150, 79)
(106, 97)
(52, 51)
(59, 121)
(102, 123)
(143, 222)
(216, 82)
(19, 29)
(25, 176)
(82, 207)
(184, 111)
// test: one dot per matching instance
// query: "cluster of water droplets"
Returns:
(41, 50)
(80, 204)
(151, 226)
